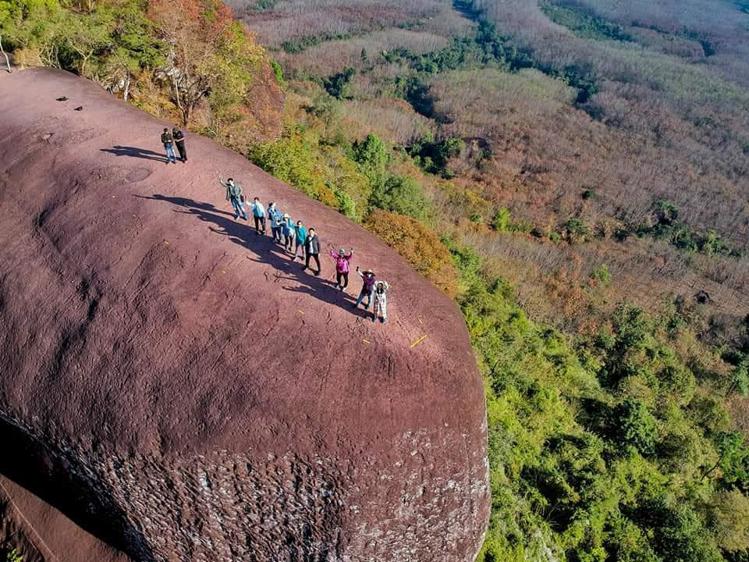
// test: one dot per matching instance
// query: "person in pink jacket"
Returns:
(342, 260)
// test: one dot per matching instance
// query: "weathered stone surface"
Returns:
(184, 390)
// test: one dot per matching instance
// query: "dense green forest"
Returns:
(610, 437)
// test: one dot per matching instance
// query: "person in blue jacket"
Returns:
(288, 232)
(276, 221)
(258, 213)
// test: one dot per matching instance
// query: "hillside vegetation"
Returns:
(578, 244)
(188, 60)
(574, 175)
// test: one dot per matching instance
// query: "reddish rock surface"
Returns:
(183, 391)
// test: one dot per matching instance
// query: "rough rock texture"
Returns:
(183, 391)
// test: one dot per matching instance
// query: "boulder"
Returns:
(176, 385)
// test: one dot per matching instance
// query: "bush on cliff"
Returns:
(418, 244)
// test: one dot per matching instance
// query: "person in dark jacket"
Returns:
(234, 195)
(312, 247)
(368, 282)
(168, 142)
(179, 140)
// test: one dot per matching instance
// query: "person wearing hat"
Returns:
(341, 259)
(168, 142)
(179, 140)
(380, 302)
(288, 232)
(368, 283)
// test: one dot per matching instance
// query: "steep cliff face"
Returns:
(185, 391)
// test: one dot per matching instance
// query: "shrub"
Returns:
(635, 426)
(601, 275)
(401, 195)
(339, 84)
(575, 230)
(418, 244)
(502, 221)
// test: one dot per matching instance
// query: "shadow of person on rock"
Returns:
(265, 250)
(134, 152)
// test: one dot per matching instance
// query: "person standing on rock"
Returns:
(288, 233)
(381, 302)
(341, 259)
(368, 283)
(276, 221)
(179, 139)
(168, 142)
(234, 195)
(312, 248)
(300, 232)
(258, 213)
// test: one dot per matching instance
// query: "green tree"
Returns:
(635, 426)
(373, 156)
(401, 195)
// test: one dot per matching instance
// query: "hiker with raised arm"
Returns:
(258, 214)
(168, 141)
(341, 259)
(368, 282)
(312, 249)
(234, 195)
(381, 301)
(179, 140)
(300, 234)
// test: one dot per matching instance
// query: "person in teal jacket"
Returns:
(300, 232)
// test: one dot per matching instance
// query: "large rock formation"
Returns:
(176, 385)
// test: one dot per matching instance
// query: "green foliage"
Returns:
(586, 472)
(582, 22)
(601, 275)
(339, 84)
(734, 459)
(373, 156)
(297, 45)
(324, 173)
(401, 195)
(575, 230)
(433, 155)
(277, 72)
(740, 377)
(635, 426)
(502, 220)
(665, 224)
(88, 41)
(11, 555)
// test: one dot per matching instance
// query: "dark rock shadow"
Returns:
(134, 152)
(58, 479)
(265, 250)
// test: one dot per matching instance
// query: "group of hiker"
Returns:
(299, 241)
(169, 139)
